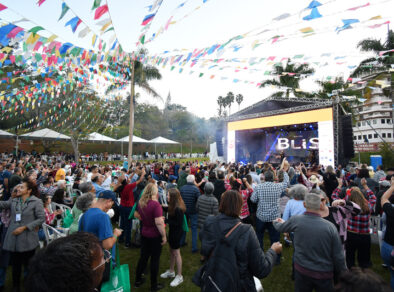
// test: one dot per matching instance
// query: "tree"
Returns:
(229, 100)
(239, 99)
(139, 75)
(289, 77)
(220, 103)
(382, 62)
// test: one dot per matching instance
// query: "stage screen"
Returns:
(300, 137)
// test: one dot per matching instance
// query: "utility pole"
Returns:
(131, 118)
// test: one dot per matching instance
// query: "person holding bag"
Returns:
(176, 211)
(150, 212)
(233, 250)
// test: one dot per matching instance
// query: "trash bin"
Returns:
(376, 160)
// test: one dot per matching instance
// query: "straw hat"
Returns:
(313, 179)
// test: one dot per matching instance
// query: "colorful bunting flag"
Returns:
(148, 18)
(74, 23)
(96, 4)
(100, 11)
(2, 7)
(36, 29)
(65, 8)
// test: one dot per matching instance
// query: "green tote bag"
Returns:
(119, 280)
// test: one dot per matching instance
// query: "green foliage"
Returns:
(380, 63)
(289, 82)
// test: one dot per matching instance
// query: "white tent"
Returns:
(45, 134)
(99, 137)
(135, 140)
(6, 134)
(161, 140)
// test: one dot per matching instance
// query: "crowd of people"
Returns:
(323, 212)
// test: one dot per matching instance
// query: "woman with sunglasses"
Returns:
(27, 215)
(72, 263)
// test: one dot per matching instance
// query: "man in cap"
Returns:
(318, 250)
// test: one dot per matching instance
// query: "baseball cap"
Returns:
(107, 194)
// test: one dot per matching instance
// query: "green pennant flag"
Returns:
(36, 29)
(24, 47)
(105, 44)
(38, 57)
(111, 28)
(142, 39)
(65, 8)
(96, 4)
(201, 74)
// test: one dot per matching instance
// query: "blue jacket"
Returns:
(190, 194)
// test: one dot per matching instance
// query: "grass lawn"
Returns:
(279, 280)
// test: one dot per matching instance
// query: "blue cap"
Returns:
(109, 195)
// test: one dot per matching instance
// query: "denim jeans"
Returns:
(273, 234)
(386, 256)
(193, 218)
(125, 224)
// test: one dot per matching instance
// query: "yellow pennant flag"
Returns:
(33, 38)
(94, 39)
(105, 26)
(51, 38)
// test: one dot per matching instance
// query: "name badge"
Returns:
(18, 217)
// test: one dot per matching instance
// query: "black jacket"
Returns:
(250, 257)
(219, 189)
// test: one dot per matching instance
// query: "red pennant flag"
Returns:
(100, 11)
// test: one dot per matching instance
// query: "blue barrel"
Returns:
(376, 160)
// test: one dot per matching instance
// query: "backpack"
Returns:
(220, 273)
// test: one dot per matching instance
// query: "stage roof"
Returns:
(275, 106)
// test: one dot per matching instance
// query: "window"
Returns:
(374, 122)
(388, 135)
(388, 121)
(355, 138)
(359, 137)
(363, 123)
(359, 124)
(384, 135)
(370, 136)
(383, 121)
(364, 137)
(375, 135)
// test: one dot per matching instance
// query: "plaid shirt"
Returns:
(267, 196)
(358, 223)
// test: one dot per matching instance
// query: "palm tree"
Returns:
(288, 79)
(230, 99)
(140, 74)
(327, 89)
(239, 99)
(220, 103)
(379, 63)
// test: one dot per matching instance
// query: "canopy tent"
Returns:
(6, 134)
(162, 140)
(99, 137)
(135, 140)
(45, 134)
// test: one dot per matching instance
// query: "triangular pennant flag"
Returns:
(100, 11)
(2, 7)
(35, 29)
(96, 4)
(65, 8)
(84, 32)
(74, 23)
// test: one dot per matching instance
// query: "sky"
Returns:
(215, 22)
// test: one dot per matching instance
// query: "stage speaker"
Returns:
(347, 136)
(219, 140)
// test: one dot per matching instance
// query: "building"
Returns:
(373, 119)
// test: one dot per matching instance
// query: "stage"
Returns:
(302, 130)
